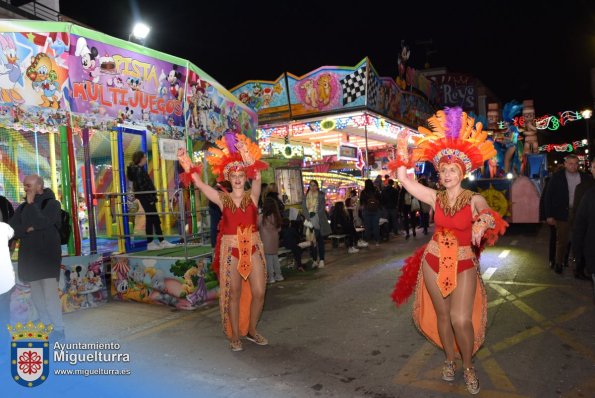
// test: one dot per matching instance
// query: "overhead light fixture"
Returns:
(140, 32)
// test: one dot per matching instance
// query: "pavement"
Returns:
(334, 332)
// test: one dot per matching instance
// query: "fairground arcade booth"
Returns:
(339, 124)
(75, 104)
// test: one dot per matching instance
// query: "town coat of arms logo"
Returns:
(30, 353)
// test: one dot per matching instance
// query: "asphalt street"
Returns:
(334, 332)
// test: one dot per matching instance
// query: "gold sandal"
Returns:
(471, 380)
(257, 339)
(448, 370)
(236, 345)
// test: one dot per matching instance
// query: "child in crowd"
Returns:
(269, 226)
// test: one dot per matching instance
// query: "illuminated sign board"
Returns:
(347, 152)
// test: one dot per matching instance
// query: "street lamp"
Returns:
(139, 32)
(586, 114)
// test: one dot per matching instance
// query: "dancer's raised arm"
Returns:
(256, 187)
(404, 159)
(211, 193)
(419, 191)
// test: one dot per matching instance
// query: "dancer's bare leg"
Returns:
(257, 286)
(235, 291)
(508, 159)
(461, 310)
(442, 306)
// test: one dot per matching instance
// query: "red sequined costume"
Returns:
(452, 240)
(458, 222)
(448, 253)
(238, 244)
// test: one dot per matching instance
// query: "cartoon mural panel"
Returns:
(269, 99)
(82, 282)
(183, 284)
(388, 99)
(327, 88)
(331, 88)
(112, 85)
(33, 73)
(81, 286)
(210, 113)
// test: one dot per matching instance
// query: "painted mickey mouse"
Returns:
(88, 59)
(125, 115)
(173, 78)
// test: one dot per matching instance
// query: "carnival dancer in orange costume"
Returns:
(450, 306)
(239, 256)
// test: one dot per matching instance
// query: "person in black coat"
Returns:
(584, 232)
(290, 237)
(558, 201)
(370, 202)
(342, 224)
(273, 192)
(552, 228)
(581, 190)
(35, 223)
(6, 213)
(6, 209)
(215, 213)
(389, 198)
(141, 182)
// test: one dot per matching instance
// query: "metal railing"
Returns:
(32, 9)
(116, 201)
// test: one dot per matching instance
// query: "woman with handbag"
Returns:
(313, 207)
(141, 182)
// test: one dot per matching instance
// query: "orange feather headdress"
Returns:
(235, 152)
(454, 138)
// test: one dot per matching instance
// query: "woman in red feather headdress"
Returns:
(239, 256)
(450, 302)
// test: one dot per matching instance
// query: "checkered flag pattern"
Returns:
(373, 89)
(354, 85)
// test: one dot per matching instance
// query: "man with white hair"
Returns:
(36, 223)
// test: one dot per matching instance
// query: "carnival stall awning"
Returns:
(332, 108)
(55, 70)
(338, 89)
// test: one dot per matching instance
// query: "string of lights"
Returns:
(569, 147)
(546, 122)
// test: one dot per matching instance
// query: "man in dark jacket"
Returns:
(35, 223)
(6, 213)
(389, 198)
(141, 182)
(559, 199)
(581, 190)
(584, 232)
(552, 228)
(6, 209)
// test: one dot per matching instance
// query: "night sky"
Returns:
(519, 51)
